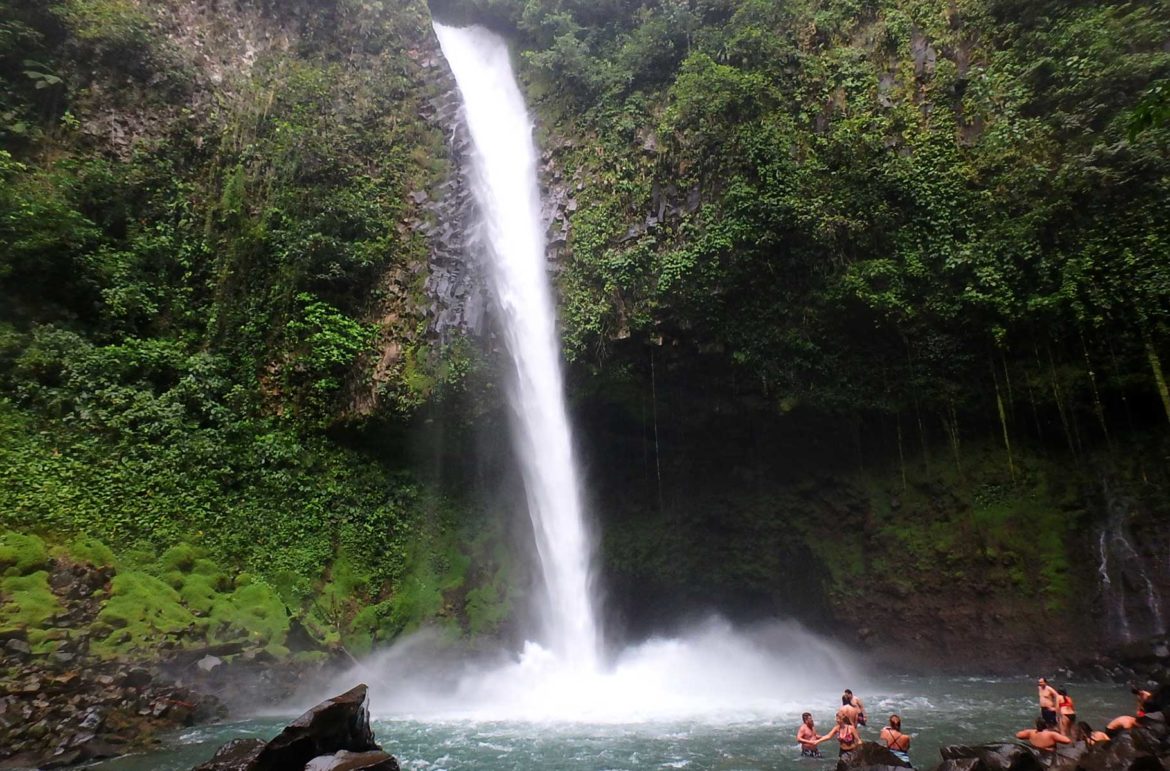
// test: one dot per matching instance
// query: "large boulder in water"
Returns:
(870, 756)
(353, 761)
(236, 755)
(961, 764)
(994, 757)
(340, 724)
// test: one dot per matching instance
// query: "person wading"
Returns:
(807, 737)
(846, 735)
(1043, 738)
(896, 741)
(857, 705)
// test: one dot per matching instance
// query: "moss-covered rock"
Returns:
(27, 603)
(21, 554)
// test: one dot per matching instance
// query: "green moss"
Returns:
(21, 554)
(85, 550)
(140, 613)
(198, 593)
(254, 611)
(28, 603)
(486, 608)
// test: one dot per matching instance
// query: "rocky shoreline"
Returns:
(1145, 747)
(56, 713)
(61, 704)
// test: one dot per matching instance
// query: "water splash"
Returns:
(716, 674)
(510, 237)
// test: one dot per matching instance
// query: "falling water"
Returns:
(714, 672)
(510, 235)
(1121, 567)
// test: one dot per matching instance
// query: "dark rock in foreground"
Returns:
(1145, 748)
(871, 756)
(335, 735)
(990, 757)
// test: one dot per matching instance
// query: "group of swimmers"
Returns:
(849, 719)
(1056, 726)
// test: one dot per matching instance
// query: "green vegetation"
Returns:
(937, 233)
(903, 207)
(200, 259)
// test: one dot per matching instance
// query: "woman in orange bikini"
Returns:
(1066, 712)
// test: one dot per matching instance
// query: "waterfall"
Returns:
(1124, 579)
(510, 238)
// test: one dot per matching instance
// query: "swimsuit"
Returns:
(1049, 715)
(810, 752)
(902, 755)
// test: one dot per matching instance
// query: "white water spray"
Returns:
(714, 673)
(510, 234)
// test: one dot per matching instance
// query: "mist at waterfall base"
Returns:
(715, 672)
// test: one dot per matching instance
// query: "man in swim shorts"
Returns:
(1048, 699)
(807, 736)
(857, 705)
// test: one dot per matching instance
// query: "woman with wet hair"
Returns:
(896, 742)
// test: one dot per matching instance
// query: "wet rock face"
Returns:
(454, 287)
(335, 735)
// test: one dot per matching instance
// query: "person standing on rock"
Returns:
(807, 737)
(1048, 700)
(1068, 712)
(1042, 737)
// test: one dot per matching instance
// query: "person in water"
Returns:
(846, 735)
(896, 741)
(848, 709)
(857, 705)
(1048, 700)
(807, 737)
(1122, 723)
(1143, 698)
(1066, 712)
(1084, 733)
(1043, 738)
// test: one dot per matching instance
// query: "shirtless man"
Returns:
(847, 709)
(807, 737)
(1048, 699)
(1042, 737)
(856, 704)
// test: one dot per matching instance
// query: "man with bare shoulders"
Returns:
(1048, 699)
(1042, 737)
(807, 737)
(857, 705)
(847, 710)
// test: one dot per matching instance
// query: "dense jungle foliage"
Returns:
(904, 224)
(906, 206)
(826, 255)
(200, 217)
